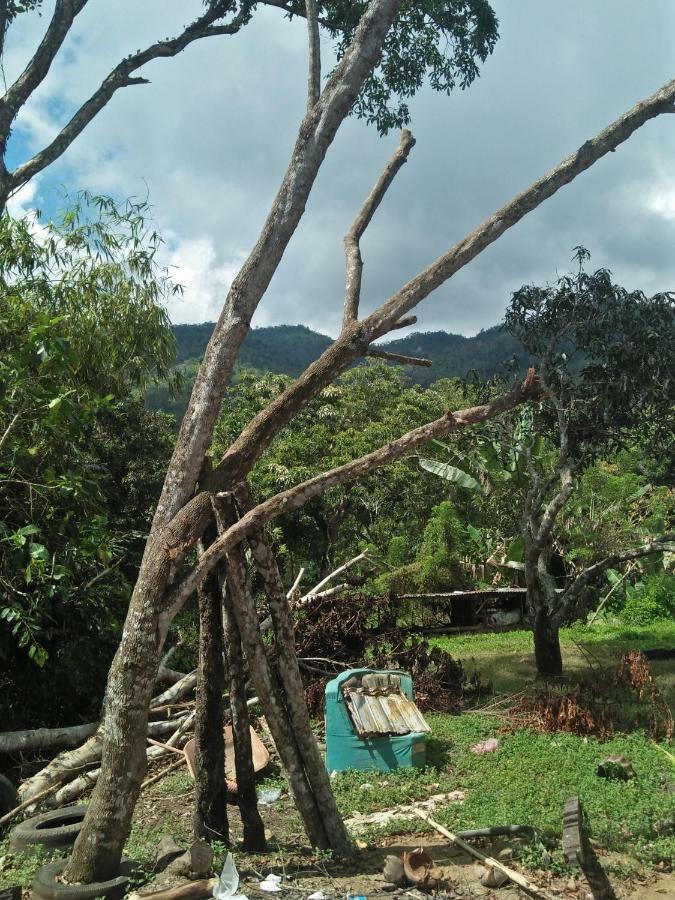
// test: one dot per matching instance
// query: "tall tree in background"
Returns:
(607, 358)
(82, 327)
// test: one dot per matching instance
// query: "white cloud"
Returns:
(211, 135)
(194, 264)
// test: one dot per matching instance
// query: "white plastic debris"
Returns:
(226, 889)
(318, 895)
(268, 796)
(271, 884)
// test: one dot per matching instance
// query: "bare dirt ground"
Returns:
(305, 872)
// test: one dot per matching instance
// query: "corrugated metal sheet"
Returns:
(391, 713)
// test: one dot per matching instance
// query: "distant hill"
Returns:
(289, 349)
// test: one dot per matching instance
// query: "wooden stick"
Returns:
(31, 800)
(292, 590)
(516, 877)
(165, 746)
(160, 775)
(194, 890)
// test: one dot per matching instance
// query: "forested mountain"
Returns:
(289, 349)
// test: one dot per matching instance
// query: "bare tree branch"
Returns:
(340, 569)
(663, 544)
(121, 76)
(297, 496)
(314, 74)
(38, 67)
(396, 357)
(355, 233)
(380, 321)
(355, 339)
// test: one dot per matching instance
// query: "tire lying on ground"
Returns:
(9, 799)
(45, 885)
(57, 828)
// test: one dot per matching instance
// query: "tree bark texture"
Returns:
(547, 652)
(271, 697)
(294, 691)
(247, 797)
(210, 810)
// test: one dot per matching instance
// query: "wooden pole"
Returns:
(515, 877)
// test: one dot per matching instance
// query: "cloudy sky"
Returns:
(209, 140)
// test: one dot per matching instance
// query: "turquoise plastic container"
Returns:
(384, 753)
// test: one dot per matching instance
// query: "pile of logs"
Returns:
(75, 770)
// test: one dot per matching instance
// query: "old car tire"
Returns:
(57, 828)
(46, 887)
(9, 799)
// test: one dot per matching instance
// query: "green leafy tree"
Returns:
(82, 327)
(606, 359)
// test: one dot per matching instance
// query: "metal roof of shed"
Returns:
(379, 713)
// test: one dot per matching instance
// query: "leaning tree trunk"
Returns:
(247, 798)
(291, 680)
(271, 699)
(210, 810)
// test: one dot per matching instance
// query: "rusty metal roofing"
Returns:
(380, 713)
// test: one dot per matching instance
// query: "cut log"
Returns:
(46, 738)
(69, 764)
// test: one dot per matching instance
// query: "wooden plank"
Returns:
(573, 842)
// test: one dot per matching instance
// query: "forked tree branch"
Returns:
(366, 213)
(663, 544)
(356, 337)
(39, 65)
(314, 55)
(611, 137)
(122, 76)
(297, 496)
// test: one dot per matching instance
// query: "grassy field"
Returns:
(525, 781)
(529, 778)
(506, 660)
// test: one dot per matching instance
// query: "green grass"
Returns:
(506, 659)
(19, 867)
(612, 637)
(527, 781)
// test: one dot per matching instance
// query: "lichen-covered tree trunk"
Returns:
(210, 811)
(291, 680)
(247, 798)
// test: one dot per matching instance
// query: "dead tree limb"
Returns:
(340, 569)
(46, 738)
(398, 358)
(314, 74)
(361, 222)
